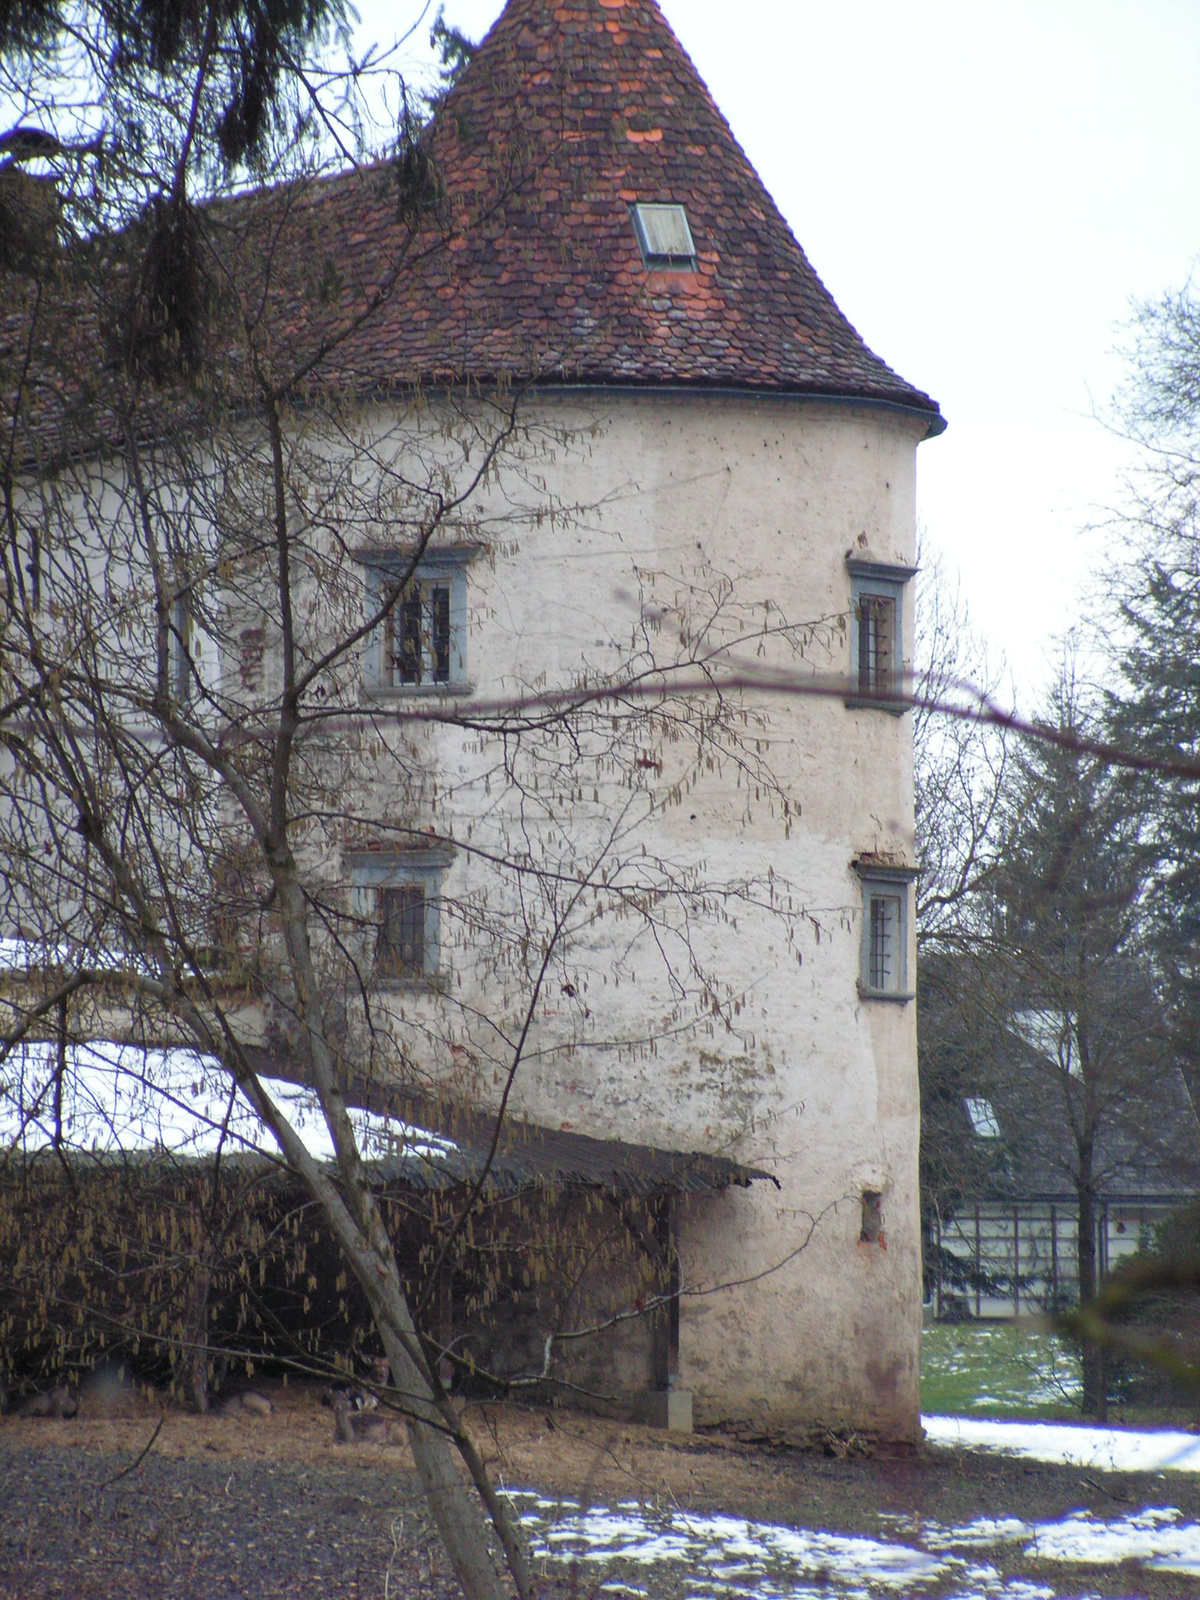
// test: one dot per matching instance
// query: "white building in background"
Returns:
(1010, 1246)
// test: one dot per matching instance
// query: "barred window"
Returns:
(421, 641)
(876, 633)
(883, 970)
(400, 945)
(417, 636)
(876, 645)
(399, 911)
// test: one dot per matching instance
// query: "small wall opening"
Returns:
(872, 1217)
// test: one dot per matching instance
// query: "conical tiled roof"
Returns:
(594, 105)
(529, 264)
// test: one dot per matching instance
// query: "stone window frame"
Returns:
(894, 885)
(443, 568)
(882, 582)
(372, 872)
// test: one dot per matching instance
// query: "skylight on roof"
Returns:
(983, 1118)
(664, 236)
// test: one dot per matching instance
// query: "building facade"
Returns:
(606, 806)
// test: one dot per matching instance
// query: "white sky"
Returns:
(983, 187)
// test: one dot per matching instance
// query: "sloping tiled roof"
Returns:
(571, 112)
(1147, 1143)
(527, 265)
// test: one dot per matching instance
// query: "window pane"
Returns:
(404, 639)
(882, 941)
(439, 607)
(876, 643)
(666, 232)
(179, 650)
(400, 951)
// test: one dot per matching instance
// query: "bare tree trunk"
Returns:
(433, 1424)
(1095, 1365)
(194, 1373)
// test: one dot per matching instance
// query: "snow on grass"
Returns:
(1071, 1444)
(736, 1556)
(717, 1557)
(1155, 1537)
(998, 1369)
(731, 1558)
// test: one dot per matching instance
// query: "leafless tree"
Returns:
(211, 539)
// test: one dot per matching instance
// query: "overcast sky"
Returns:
(983, 187)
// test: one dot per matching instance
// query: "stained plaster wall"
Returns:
(735, 502)
(812, 1081)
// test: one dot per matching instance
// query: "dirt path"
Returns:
(265, 1508)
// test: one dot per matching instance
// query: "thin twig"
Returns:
(134, 1465)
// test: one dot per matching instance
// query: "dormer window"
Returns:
(983, 1118)
(665, 238)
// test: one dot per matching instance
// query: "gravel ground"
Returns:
(264, 1508)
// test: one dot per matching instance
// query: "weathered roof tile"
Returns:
(543, 82)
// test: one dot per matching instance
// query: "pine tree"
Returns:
(1071, 973)
(1157, 711)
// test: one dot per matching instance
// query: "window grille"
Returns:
(420, 643)
(417, 643)
(882, 963)
(876, 645)
(876, 634)
(883, 966)
(400, 950)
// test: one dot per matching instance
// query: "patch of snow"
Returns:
(1070, 1444)
(1154, 1537)
(982, 1531)
(738, 1557)
(747, 1560)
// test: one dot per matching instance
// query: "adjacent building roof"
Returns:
(1147, 1140)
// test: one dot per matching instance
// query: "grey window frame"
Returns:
(657, 261)
(894, 884)
(372, 873)
(445, 568)
(878, 581)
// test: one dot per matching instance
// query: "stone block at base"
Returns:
(664, 1408)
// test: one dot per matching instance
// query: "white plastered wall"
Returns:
(814, 1083)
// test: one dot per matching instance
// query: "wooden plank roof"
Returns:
(458, 1150)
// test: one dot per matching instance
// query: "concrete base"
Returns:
(664, 1408)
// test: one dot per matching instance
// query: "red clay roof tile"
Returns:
(531, 266)
(580, 121)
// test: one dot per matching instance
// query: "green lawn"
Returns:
(997, 1369)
